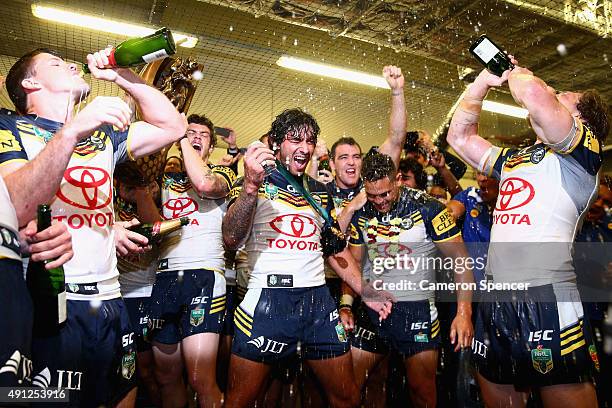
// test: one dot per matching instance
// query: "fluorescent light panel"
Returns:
(504, 109)
(102, 24)
(330, 71)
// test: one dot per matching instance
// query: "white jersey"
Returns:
(283, 247)
(84, 201)
(136, 271)
(9, 226)
(198, 245)
(542, 195)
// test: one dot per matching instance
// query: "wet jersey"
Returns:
(84, 200)
(543, 194)
(476, 227)
(412, 227)
(136, 271)
(340, 197)
(284, 248)
(9, 226)
(198, 245)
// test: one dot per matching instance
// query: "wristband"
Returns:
(349, 307)
(346, 300)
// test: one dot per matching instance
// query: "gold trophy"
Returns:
(174, 78)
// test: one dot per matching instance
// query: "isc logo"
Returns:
(127, 339)
(540, 335)
(199, 299)
(419, 326)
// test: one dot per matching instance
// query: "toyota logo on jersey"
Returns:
(89, 188)
(514, 192)
(179, 207)
(294, 225)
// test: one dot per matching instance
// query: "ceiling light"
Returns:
(102, 24)
(504, 109)
(332, 72)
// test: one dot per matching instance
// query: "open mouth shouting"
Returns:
(301, 161)
(197, 144)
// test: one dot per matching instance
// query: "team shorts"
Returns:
(93, 356)
(410, 328)
(138, 310)
(274, 324)
(365, 335)
(535, 340)
(184, 303)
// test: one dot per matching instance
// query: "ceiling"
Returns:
(565, 42)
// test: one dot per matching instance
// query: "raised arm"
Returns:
(205, 182)
(463, 132)
(551, 120)
(161, 123)
(238, 220)
(393, 144)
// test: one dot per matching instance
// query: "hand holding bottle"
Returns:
(127, 241)
(53, 244)
(100, 67)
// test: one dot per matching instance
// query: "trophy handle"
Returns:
(173, 77)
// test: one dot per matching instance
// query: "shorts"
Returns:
(138, 310)
(15, 326)
(274, 324)
(365, 336)
(184, 303)
(534, 343)
(93, 356)
(230, 305)
(335, 288)
(410, 328)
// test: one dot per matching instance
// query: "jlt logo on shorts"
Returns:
(70, 380)
(479, 348)
(267, 345)
(365, 334)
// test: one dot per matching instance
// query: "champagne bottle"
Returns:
(47, 288)
(156, 231)
(136, 51)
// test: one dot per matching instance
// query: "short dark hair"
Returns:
(343, 141)
(408, 164)
(291, 120)
(203, 120)
(595, 112)
(377, 166)
(21, 70)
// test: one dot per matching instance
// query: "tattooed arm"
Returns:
(238, 220)
(204, 181)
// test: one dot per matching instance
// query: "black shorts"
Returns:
(138, 310)
(230, 305)
(94, 355)
(15, 326)
(273, 324)
(184, 303)
(410, 328)
(534, 343)
(365, 336)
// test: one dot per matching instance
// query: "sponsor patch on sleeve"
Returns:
(8, 143)
(443, 222)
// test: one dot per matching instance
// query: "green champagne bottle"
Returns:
(47, 288)
(137, 51)
(156, 231)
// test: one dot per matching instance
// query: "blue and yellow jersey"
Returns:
(411, 228)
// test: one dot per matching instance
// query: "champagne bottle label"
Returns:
(61, 307)
(155, 55)
(486, 50)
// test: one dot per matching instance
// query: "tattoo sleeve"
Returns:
(238, 220)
